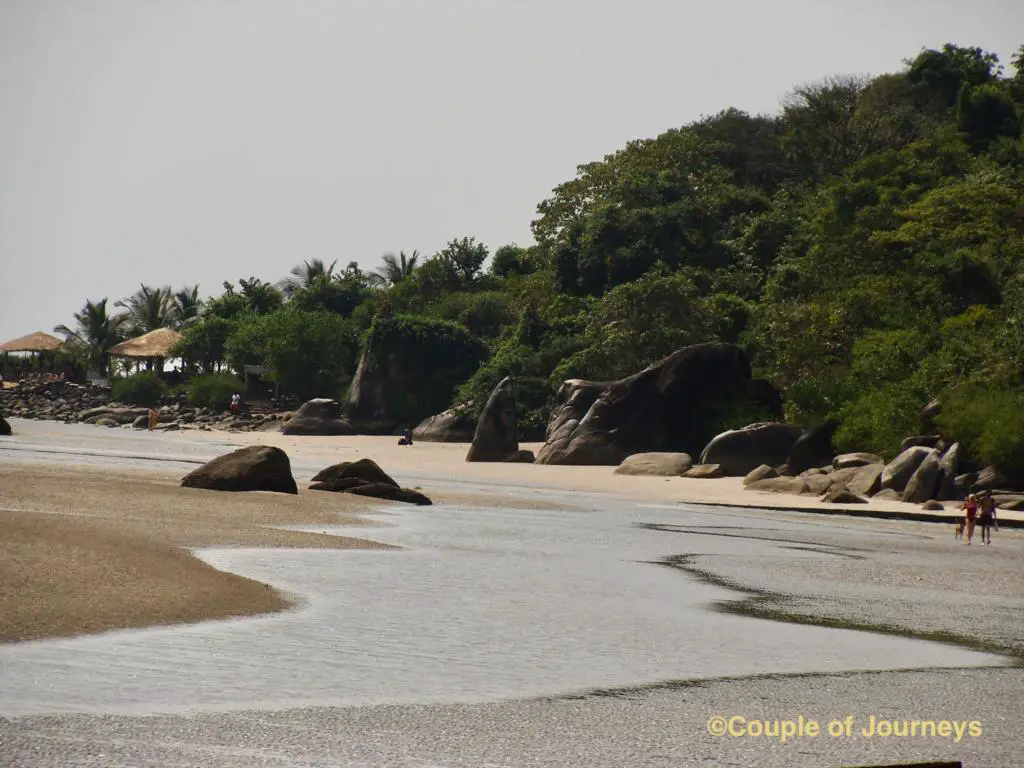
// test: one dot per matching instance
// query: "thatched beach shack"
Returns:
(153, 347)
(38, 345)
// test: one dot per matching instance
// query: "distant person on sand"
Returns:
(154, 417)
(236, 400)
(987, 518)
(406, 437)
(970, 508)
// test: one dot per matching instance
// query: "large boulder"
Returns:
(843, 496)
(452, 426)
(739, 451)
(497, 431)
(366, 470)
(794, 485)
(671, 405)
(949, 465)
(704, 472)
(928, 414)
(659, 464)
(390, 493)
(990, 479)
(922, 484)
(867, 481)
(763, 472)
(813, 448)
(5, 427)
(338, 484)
(926, 441)
(321, 416)
(254, 468)
(897, 473)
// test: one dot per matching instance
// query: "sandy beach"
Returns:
(523, 618)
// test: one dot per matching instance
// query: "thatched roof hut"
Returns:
(158, 343)
(33, 342)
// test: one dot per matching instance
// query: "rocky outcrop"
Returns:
(366, 470)
(845, 460)
(657, 464)
(843, 496)
(497, 431)
(366, 408)
(922, 484)
(452, 426)
(928, 415)
(813, 448)
(56, 400)
(897, 473)
(254, 468)
(867, 481)
(338, 485)
(739, 451)
(990, 479)
(320, 416)
(666, 407)
(5, 427)
(794, 485)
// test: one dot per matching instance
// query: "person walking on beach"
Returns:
(154, 417)
(987, 518)
(970, 508)
(236, 400)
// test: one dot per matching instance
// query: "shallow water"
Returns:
(483, 604)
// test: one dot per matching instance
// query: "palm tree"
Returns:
(395, 269)
(186, 306)
(148, 309)
(305, 274)
(96, 333)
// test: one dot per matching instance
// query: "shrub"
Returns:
(212, 390)
(144, 388)
(879, 419)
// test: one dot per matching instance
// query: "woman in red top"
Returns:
(971, 508)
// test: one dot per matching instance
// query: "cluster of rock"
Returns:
(266, 468)
(179, 417)
(51, 400)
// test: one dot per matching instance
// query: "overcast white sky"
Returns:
(184, 141)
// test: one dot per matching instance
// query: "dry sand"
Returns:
(88, 549)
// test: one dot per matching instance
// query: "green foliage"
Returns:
(989, 422)
(425, 359)
(309, 354)
(212, 390)
(204, 343)
(144, 388)
(877, 420)
(329, 294)
(95, 333)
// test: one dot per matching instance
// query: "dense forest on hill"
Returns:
(864, 246)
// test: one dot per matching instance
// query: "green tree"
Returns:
(186, 306)
(394, 269)
(148, 309)
(95, 332)
(302, 275)
(462, 260)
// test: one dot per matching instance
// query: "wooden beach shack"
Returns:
(37, 344)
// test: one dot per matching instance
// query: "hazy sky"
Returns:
(184, 141)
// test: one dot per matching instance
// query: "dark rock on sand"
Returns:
(922, 484)
(763, 472)
(254, 468)
(522, 456)
(659, 464)
(497, 431)
(366, 470)
(5, 427)
(739, 451)
(321, 416)
(662, 408)
(897, 473)
(888, 494)
(817, 484)
(338, 484)
(813, 448)
(933, 506)
(390, 493)
(704, 472)
(990, 479)
(452, 426)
